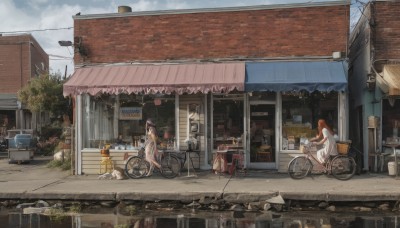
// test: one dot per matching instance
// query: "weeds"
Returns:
(131, 210)
(75, 208)
(56, 214)
(63, 165)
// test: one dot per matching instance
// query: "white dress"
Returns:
(329, 147)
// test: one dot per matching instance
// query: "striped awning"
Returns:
(152, 79)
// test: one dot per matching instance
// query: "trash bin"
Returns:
(392, 168)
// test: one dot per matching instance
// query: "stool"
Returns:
(106, 165)
(237, 159)
(264, 153)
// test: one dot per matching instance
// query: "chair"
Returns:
(237, 162)
(264, 153)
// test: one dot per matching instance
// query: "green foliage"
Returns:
(50, 131)
(75, 208)
(56, 214)
(45, 93)
(63, 165)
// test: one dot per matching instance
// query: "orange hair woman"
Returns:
(327, 140)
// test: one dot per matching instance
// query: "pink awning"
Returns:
(166, 79)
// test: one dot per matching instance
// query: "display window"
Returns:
(228, 120)
(119, 120)
(390, 119)
(301, 112)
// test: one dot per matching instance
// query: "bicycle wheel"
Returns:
(170, 165)
(136, 167)
(343, 167)
(299, 167)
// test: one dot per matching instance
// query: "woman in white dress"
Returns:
(151, 146)
(327, 140)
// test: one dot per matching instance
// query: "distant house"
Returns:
(374, 80)
(21, 59)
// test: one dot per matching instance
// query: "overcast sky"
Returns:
(53, 18)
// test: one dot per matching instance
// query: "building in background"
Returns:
(374, 80)
(21, 59)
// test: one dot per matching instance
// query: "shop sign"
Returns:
(130, 113)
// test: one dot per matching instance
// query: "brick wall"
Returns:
(386, 29)
(16, 61)
(267, 33)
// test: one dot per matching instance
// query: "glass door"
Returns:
(262, 135)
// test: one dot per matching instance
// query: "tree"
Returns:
(45, 93)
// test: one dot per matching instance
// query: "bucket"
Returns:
(392, 168)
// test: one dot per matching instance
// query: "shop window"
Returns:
(227, 120)
(390, 119)
(111, 119)
(300, 114)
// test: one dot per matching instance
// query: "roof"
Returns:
(213, 10)
(296, 76)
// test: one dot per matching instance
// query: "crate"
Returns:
(343, 148)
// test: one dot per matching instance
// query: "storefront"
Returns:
(263, 109)
(389, 83)
(286, 99)
(114, 102)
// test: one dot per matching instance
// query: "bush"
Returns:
(63, 165)
(48, 146)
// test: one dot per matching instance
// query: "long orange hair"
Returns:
(321, 125)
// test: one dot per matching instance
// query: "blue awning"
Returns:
(296, 76)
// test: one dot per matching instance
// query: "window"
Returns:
(227, 119)
(108, 117)
(300, 114)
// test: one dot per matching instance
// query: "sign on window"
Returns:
(130, 113)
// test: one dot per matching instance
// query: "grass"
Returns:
(63, 165)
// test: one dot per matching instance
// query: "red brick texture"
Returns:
(18, 56)
(386, 29)
(267, 33)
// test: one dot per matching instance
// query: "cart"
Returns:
(20, 148)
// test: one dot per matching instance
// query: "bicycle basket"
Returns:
(343, 148)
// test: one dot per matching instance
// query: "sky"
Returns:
(50, 21)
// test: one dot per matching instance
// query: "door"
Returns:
(262, 135)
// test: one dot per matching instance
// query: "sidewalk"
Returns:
(36, 181)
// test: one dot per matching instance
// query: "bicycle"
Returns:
(137, 166)
(342, 167)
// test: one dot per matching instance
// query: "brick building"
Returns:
(252, 79)
(21, 59)
(374, 80)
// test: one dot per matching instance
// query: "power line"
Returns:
(60, 56)
(38, 30)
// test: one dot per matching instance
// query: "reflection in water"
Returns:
(204, 219)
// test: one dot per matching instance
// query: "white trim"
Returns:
(177, 121)
(278, 129)
(205, 165)
(78, 135)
